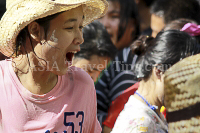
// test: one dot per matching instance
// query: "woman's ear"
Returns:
(158, 73)
(34, 31)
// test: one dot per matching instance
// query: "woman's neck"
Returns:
(147, 90)
(33, 76)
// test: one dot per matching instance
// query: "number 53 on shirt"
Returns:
(71, 124)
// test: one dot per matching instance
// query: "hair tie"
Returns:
(192, 29)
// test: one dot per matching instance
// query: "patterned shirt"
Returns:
(114, 80)
(137, 117)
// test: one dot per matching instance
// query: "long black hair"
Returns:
(166, 49)
(128, 10)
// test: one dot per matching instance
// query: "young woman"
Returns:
(40, 92)
(122, 23)
(142, 111)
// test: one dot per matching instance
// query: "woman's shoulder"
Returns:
(5, 71)
(139, 108)
(4, 64)
(134, 120)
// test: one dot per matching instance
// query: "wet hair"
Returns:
(21, 38)
(178, 25)
(96, 42)
(166, 49)
(174, 9)
(128, 10)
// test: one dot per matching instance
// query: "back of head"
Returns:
(189, 9)
(174, 9)
(165, 50)
(96, 42)
(179, 24)
(159, 7)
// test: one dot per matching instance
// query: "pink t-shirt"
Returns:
(70, 107)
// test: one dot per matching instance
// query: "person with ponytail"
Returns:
(118, 104)
(155, 55)
(187, 25)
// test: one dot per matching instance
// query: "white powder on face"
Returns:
(53, 38)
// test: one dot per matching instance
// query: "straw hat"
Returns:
(20, 13)
(182, 95)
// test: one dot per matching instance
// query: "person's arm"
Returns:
(117, 106)
(106, 129)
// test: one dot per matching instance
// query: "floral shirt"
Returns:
(137, 117)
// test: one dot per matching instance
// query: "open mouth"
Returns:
(70, 55)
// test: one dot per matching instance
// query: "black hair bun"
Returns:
(140, 45)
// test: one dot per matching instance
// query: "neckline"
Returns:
(30, 96)
(161, 120)
(153, 107)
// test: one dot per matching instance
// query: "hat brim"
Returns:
(23, 13)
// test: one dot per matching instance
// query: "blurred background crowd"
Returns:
(126, 53)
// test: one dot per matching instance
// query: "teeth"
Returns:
(73, 52)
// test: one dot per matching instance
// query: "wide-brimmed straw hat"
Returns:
(182, 95)
(20, 13)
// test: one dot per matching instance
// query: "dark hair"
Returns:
(189, 9)
(159, 7)
(2, 7)
(178, 25)
(21, 38)
(165, 50)
(148, 2)
(174, 9)
(128, 10)
(96, 42)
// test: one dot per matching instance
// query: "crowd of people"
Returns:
(99, 66)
